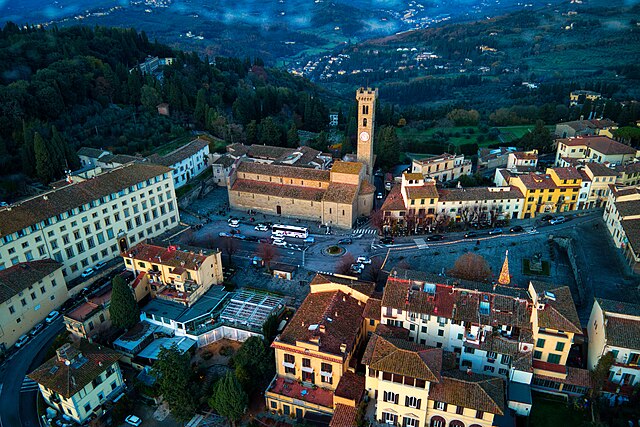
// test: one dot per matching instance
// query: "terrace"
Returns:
(311, 397)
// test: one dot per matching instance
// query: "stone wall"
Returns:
(568, 245)
(200, 190)
(297, 208)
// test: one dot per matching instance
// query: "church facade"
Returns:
(335, 197)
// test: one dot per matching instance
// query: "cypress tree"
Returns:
(124, 309)
(228, 398)
(44, 167)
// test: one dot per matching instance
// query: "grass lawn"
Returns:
(457, 135)
(167, 148)
(546, 268)
(548, 411)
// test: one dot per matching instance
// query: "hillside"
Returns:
(556, 48)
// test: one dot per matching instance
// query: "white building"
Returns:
(622, 217)
(480, 203)
(90, 220)
(614, 327)
(599, 149)
(445, 167)
(79, 379)
(187, 162)
(89, 156)
(523, 160)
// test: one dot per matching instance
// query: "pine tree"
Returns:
(124, 309)
(174, 381)
(269, 132)
(228, 398)
(45, 170)
(252, 132)
(201, 106)
(293, 139)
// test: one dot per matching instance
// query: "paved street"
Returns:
(17, 396)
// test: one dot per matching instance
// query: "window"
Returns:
(410, 422)
(505, 359)
(306, 363)
(540, 343)
(559, 346)
(479, 414)
(469, 350)
(289, 364)
(388, 418)
(460, 410)
(503, 371)
(441, 406)
(537, 354)
(440, 332)
(554, 358)
(87, 407)
(412, 402)
(489, 368)
(492, 355)
(11, 309)
(391, 397)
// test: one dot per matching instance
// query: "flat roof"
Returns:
(152, 351)
(520, 392)
(177, 312)
(250, 308)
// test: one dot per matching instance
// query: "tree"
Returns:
(471, 266)
(464, 117)
(149, 97)
(229, 246)
(45, 169)
(377, 220)
(539, 139)
(601, 373)
(228, 398)
(251, 130)
(344, 264)
(174, 381)
(267, 252)
(389, 147)
(270, 328)
(375, 269)
(320, 143)
(123, 309)
(293, 139)
(269, 132)
(200, 112)
(253, 364)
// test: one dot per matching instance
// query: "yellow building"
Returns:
(622, 217)
(29, 291)
(91, 318)
(601, 177)
(555, 322)
(174, 273)
(316, 350)
(418, 386)
(600, 149)
(79, 380)
(557, 190)
(577, 97)
(411, 204)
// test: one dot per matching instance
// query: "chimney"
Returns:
(343, 348)
(322, 329)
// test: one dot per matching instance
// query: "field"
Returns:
(450, 136)
(547, 412)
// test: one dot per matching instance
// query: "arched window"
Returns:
(364, 122)
(437, 421)
(456, 423)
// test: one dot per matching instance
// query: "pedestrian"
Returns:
(477, 242)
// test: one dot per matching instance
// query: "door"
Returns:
(279, 210)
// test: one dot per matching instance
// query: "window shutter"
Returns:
(419, 402)
(397, 396)
(406, 401)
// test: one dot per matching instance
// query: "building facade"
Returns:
(367, 99)
(557, 190)
(79, 380)
(90, 220)
(29, 291)
(622, 217)
(187, 162)
(89, 156)
(443, 168)
(613, 327)
(599, 149)
(480, 204)
(174, 273)
(91, 318)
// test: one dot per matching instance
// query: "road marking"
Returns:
(421, 243)
(28, 385)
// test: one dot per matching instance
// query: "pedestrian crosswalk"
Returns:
(421, 243)
(28, 386)
(365, 230)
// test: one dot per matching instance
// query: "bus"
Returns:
(290, 231)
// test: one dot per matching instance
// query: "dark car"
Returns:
(546, 218)
(346, 241)
(435, 237)
(470, 235)
(234, 231)
(388, 240)
(251, 239)
(516, 229)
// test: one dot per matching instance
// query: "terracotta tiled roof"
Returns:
(402, 357)
(470, 390)
(629, 168)
(523, 155)
(339, 314)
(427, 191)
(631, 228)
(367, 188)
(48, 205)
(601, 144)
(585, 177)
(67, 380)
(478, 193)
(19, 277)
(560, 314)
(394, 200)
(598, 169)
(172, 256)
(237, 149)
(340, 193)
(575, 376)
(344, 416)
(346, 167)
(90, 307)
(373, 309)
(181, 153)
(414, 176)
(283, 171)
(621, 332)
(389, 331)
(278, 190)
(625, 191)
(351, 386)
(628, 207)
(567, 173)
(438, 158)
(120, 159)
(537, 181)
(268, 152)
(621, 307)
(224, 160)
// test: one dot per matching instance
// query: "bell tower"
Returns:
(366, 98)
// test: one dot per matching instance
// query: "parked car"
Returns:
(263, 240)
(435, 237)
(495, 231)
(363, 260)
(223, 234)
(279, 242)
(309, 239)
(516, 229)
(546, 218)
(234, 231)
(470, 235)
(387, 240)
(22, 341)
(52, 316)
(36, 329)
(257, 261)
(346, 241)
(88, 272)
(240, 236)
(558, 220)
(261, 227)
(132, 420)
(235, 223)
(379, 196)
(100, 265)
(356, 268)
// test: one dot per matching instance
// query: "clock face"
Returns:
(364, 136)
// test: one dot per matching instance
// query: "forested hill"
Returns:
(61, 89)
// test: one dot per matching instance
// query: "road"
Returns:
(17, 397)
